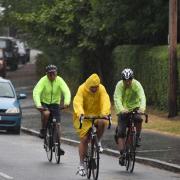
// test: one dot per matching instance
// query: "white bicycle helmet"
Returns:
(127, 74)
(51, 68)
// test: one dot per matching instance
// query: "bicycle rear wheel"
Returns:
(95, 159)
(48, 143)
(57, 145)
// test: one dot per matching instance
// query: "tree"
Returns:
(172, 58)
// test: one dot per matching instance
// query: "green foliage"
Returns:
(150, 65)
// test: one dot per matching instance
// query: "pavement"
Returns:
(158, 150)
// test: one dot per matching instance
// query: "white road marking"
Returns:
(154, 150)
(5, 176)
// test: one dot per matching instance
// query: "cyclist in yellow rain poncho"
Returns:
(91, 99)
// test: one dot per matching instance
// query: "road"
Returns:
(23, 158)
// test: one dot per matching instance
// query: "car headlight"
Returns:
(13, 110)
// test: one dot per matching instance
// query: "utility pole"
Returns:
(172, 99)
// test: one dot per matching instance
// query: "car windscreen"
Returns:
(3, 44)
(6, 90)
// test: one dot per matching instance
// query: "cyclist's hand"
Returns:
(107, 117)
(40, 108)
(124, 111)
(140, 111)
(65, 106)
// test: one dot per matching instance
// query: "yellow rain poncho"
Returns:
(89, 103)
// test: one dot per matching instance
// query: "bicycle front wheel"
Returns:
(48, 143)
(95, 159)
(57, 145)
(131, 154)
(87, 161)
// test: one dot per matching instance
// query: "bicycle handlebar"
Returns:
(143, 114)
(109, 118)
(45, 108)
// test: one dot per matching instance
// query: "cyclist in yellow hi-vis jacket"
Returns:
(128, 95)
(91, 99)
(47, 95)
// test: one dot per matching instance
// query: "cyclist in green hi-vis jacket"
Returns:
(128, 95)
(47, 95)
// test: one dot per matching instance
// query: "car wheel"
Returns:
(17, 130)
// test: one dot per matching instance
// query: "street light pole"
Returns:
(172, 99)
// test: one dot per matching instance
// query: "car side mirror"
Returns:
(21, 96)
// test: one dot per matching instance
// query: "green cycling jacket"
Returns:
(129, 98)
(50, 92)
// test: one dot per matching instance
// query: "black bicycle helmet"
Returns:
(51, 68)
(127, 74)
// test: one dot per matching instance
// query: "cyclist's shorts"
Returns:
(123, 123)
(54, 109)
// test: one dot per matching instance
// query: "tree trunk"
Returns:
(172, 58)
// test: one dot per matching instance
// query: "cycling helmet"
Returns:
(51, 68)
(127, 74)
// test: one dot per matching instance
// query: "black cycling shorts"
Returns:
(54, 110)
(123, 123)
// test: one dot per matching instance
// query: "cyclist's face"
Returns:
(93, 89)
(127, 83)
(52, 76)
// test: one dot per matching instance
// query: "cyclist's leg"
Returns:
(45, 115)
(100, 124)
(44, 119)
(83, 146)
(138, 125)
(121, 132)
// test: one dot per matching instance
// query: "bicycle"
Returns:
(91, 160)
(52, 138)
(130, 141)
